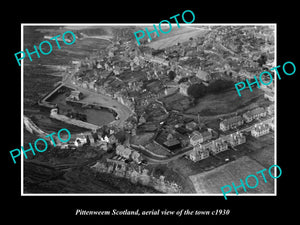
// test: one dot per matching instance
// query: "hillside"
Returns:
(176, 35)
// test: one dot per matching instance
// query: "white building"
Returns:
(80, 140)
(236, 139)
(232, 122)
(199, 153)
(183, 87)
(254, 114)
(260, 130)
(200, 137)
(218, 146)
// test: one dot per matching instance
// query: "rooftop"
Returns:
(231, 120)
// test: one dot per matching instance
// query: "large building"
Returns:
(254, 114)
(236, 139)
(200, 137)
(218, 145)
(260, 130)
(199, 153)
(230, 123)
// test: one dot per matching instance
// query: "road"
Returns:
(187, 150)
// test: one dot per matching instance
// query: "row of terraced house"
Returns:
(202, 142)
(202, 150)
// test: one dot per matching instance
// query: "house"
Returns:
(254, 114)
(170, 90)
(269, 95)
(200, 137)
(85, 84)
(272, 125)
(91, 85)
(123, 151)
(260, 130)
(191, 126)
(136, 157)
(91, 139)
(80, 140)
(218, 145)
(236, 139)
(203, 75)
(230, 123)
(270, 109)
(172, 144)
(199, 153)
(183, 87)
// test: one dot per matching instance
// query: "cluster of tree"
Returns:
(262, 60)
(198, 90)
(171, 75)
(218, 86)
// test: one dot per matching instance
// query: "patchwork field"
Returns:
(212, 181)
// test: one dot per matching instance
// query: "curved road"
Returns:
(106, 101)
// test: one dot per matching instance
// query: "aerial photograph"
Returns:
(162, 117)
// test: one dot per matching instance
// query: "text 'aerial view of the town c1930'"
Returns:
(163, 117)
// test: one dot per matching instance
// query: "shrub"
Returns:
(196, 90)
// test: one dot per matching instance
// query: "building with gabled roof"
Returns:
(199, 153)
(218, 146)
(260, 130)
(236, 139)
(199, 137)
(254, 114)
(231, 122)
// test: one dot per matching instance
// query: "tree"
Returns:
(219, 86)
(262, 60)
(171, 75)
(196, 90)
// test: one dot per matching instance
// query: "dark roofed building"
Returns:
(172, 144)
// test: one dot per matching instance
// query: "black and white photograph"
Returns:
(169, 114)
(161, 117)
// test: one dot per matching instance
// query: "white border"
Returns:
(145, 24)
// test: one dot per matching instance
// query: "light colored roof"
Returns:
(231, 120)
(255, 111)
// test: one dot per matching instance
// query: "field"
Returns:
(176, 35)
(262, 149)
(176, 102)
(212, 181)
(227, 102)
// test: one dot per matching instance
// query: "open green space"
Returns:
(212, 181)
(227, 102)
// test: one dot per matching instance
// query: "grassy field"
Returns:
(212, 181)
(262, 149)
(227, 102)
(176, 102)
(176, 35)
